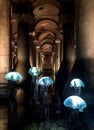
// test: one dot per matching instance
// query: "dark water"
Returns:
(31, 116)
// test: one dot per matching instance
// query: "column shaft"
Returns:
(23, 50)
(84, 64)
(4, 38)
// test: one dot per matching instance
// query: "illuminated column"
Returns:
(23, 50)
(61, 49)
(54, 72)
(84, 64)
(85, 41)
(23, 64)
(4, 38)
(30, 51)
(42, 61)
(58, 55)
(37, 56)
(55, 59)
(52, 61)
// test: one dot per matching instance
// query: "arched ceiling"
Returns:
(45, 19)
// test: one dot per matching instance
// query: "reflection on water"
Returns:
(31, 116)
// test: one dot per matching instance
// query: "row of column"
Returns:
(4, 39)
(84, 43)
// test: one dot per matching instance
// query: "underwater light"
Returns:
(77, 83)
(13, 76)
(45, 81)
(75, 102)
(34, 71)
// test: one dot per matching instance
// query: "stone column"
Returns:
(56, 59)
(37, 57)
(23, 50)
(84, 65)
(31, 51)
(42, 58)
(23, 65)
(52, 61)
(85, 44)
(54, 72)
(4, 38)
(58, 54)
(61, 48)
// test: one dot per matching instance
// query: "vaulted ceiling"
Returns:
(46, 19)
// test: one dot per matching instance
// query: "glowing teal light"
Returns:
(13, 76)
(45, 81)
(34, 71)
(75, 102)
(77, 83)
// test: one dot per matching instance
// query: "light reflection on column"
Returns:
(37, 56)
(42, 62)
